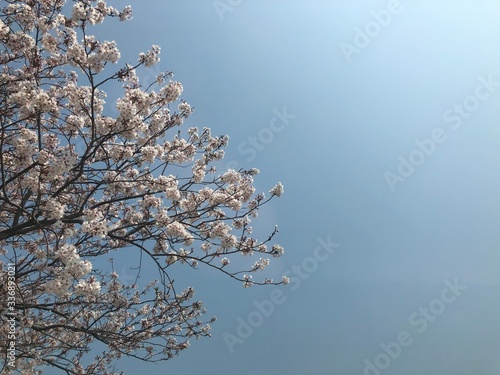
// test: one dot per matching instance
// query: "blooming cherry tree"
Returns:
(78, 185)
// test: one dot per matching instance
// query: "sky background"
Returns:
(354, 118)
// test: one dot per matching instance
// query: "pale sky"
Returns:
(387, 145)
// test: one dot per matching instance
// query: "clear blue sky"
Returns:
(421, 89)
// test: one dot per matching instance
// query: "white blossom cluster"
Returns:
(261, 264)
(73, 268)
(277, 190)
(54, 209)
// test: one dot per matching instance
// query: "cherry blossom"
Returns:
(80, 188)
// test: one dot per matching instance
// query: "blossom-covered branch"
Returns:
(78, 185)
